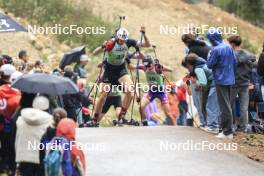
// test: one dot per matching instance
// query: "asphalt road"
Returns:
(161, 151)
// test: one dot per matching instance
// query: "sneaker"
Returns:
(211, 130)
(221, 136)
(145, 123)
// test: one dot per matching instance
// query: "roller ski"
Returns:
(120, 122)
(90, 124)
(133, 122)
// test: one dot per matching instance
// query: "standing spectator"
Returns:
(67, 128)
(6, 71)
(173, 101)
(38, 67)
(9, 98)
(58, 114)
(222, 61)
(79, 68)
(261, 69)
(23, 57)
(196, 46)
(206, 84)
(200, 48)
(241, 88)
(73, 102)
(31, 125)
(182, 89)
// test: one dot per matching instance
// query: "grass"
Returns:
(51, 12)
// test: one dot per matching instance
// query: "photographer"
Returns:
(206, 84)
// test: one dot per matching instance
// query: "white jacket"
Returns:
(31, 125)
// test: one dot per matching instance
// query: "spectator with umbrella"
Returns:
(79, 68)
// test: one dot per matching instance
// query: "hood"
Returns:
(214, 36)
(245, 55)
(35, 117)
(66, 128)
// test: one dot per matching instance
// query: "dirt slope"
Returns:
(154, 13)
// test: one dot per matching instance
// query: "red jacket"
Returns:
(9, 100)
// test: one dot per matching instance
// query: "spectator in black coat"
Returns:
(196, 46)
(261, 69)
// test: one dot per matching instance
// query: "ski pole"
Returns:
(135, 83)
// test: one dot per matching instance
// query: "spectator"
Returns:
(67, 128)
(174, 102)
(206, 84)
(241, 88)
(196, 46)
(182, 89)
(222, 61)
(23, 57)
(6, 71)
(31, 125)
(10, 99)
(38, 67)
(79, 68)
(58, 114)
(261, 70)
(72, 102)
(197, 96)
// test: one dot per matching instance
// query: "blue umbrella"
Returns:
(45, 84)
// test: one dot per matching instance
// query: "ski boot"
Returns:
(120, 122)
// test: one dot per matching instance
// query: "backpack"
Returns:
(58, 158)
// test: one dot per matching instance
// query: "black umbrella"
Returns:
(45, 84)
(72, 56)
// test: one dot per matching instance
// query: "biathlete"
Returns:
(115, 71)
(113, 99)
(156, 82)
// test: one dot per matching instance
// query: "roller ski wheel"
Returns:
(91, 124)
(120, 122)
(133, 122)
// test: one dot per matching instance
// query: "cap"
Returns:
(84, 57)
(7, 69)
(41, 103)
(15, 76)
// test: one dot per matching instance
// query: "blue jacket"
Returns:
(221, 59)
